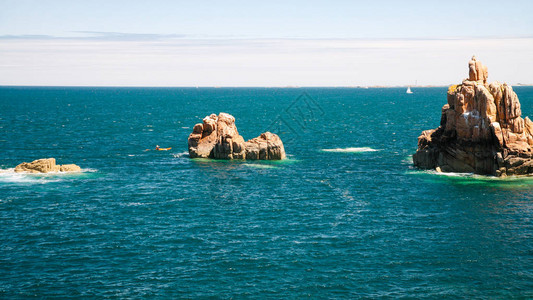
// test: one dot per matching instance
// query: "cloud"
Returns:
(129, 36)
(124, 59)
(120, 36)
(98, 36)
(26, 37)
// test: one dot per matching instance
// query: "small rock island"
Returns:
(481, 130)
(217, 137)
(45, 165)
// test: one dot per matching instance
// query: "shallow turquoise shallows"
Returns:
(345, 216)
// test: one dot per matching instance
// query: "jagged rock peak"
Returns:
(477, 71)
(481, 130)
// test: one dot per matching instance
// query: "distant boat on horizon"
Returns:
(408, 90)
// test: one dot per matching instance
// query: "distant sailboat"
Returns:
(408, 90)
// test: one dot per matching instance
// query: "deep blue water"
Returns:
(344, 223)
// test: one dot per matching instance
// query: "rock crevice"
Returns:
(481, 130)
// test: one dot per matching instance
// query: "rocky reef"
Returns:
(46, 165)
(217, 137)
(481, 130)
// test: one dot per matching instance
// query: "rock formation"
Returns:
(266, 146)
(217, 137)
(477, 71)
(481, 130)
(46, 165)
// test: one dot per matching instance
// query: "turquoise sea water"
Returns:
(345, 216)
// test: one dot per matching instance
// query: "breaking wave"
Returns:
(10, 176)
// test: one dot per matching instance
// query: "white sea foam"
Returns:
(408, 160)
(10, 176)
(473, 176)
(179, 155)
(260, 166)
(451, 174)
(351, 150)
(445, 174)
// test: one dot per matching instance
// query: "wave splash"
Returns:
(179, 155)
(508, 182)
(10, 176)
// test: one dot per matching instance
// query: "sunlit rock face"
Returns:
(218, 137)
(45, 165)
(481, 130)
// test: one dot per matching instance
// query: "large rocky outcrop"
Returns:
(46, 165)
(217, 137)
(481, 130)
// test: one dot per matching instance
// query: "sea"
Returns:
(345, 216)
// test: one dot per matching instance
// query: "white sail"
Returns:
(409, 90)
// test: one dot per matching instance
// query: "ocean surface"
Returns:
(345, 216)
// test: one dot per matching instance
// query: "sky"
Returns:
(262, 43)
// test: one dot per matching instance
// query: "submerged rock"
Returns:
(217, 137)
(481, 130)
(46, 165)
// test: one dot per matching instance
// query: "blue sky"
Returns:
(262, 43)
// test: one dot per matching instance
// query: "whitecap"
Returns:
(351, 150)
(135, 204)
(260, 166)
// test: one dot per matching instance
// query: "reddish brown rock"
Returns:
(481, 130)
(477, 71)
(218, 137)
(203, 138)
(45, 165)
(266, 146)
